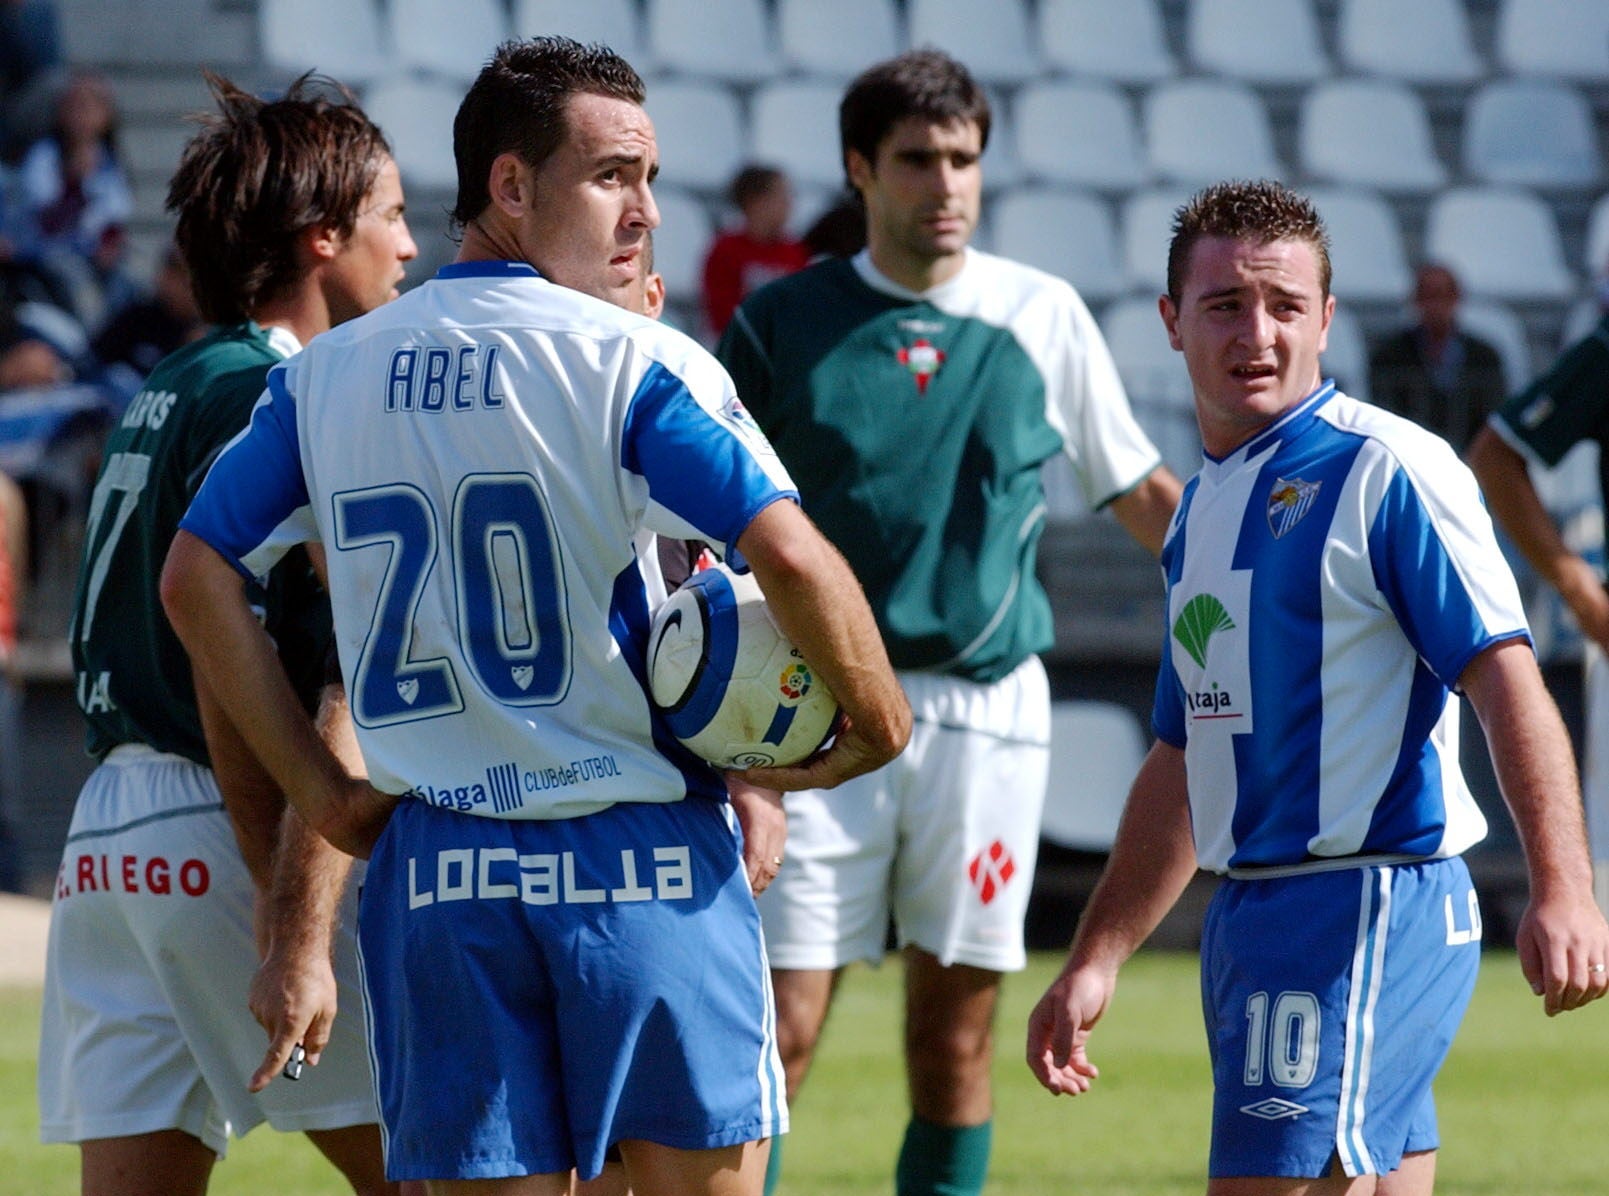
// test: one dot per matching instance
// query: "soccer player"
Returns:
(561, 949)
(1332, 581)
(914, 392)
(1566, 405)
(290, 219)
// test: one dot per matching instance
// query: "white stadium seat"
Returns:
(345, 39)
(1567, 39)
(1346, 355)
(453, 41)
(1366, 250)
(1083, 133)
(1371, 132)
(836, 39)
(1501, 243)
(1596, 264)
(1147, 219)
(1531, 132)
(1064, 232)
(719, 39)
(992, 37)
(1260, 41)
(1499, 326)
(681, 242)
(793, 124)
(1422, 41)
(1096, 749)
(1157, 382)
(1123, 42)
(417, 118)
(1202, 130)
(700, 132)
(615, 23)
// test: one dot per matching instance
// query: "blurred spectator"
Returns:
(840, 231)
(30, 55)
(26, 359)
(1437, 375)
(148, 329)
(751, 255)
(72, 201)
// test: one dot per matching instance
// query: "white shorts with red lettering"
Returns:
(144, 1023)
(943, 838)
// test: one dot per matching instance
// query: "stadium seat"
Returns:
(1369, 132)
(1499, 326)
(1261, 41)
(1096, 749)
(1531, 132)
(836, 39)
(719, 39)
(1426, 41)
(1366, 247)
(1098, 39)
(615, 23)
(681, 242)
(1596, 264)
(1001, 165)
(1584, 315)
(991, 36)
(1065, 232)
(417, 116)
(1566, 39)
(1202, 130)
(700, 132)
(1346, 354)
(794, 125)
(1502, 243)
(453, 41)
(1147, 220)
(1156, 379)
(1082, 133)
(345, 39)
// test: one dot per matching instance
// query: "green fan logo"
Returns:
(1202, 618)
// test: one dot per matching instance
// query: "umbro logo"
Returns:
(1274, 1109)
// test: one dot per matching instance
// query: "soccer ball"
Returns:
(730, 685)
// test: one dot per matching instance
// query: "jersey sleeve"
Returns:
(1563, 407)
(1111, 453)
(742, 353)
(253, 506)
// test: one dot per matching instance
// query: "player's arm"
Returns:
(1562, 932)
(1152, 860)
(205, 601)
(1146, 510)
(819, 605)
(254, 803)
(1505, 480)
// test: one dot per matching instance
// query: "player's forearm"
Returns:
(1152, 860)
(1505, 482)
(309, 878)
(1535, 766)
(1146, 510)
(819, 605)
(254, 803)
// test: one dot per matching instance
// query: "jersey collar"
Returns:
(1289, 426)
(281, 340)
(878, 281)
(488, 268)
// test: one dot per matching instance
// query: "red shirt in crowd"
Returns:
(738, 264)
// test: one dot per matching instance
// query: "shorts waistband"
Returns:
(143, 753)
(1333, 864)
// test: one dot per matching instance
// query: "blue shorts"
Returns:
(1331, 999)
(542, 989)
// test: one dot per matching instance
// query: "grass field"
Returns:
(1524, 1100)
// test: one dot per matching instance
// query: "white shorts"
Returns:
(144, 1023)
(944, 837)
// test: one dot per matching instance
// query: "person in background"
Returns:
(747, 257)
(1333, 585)
(1433, 372)
(30, 66)
(145, 331)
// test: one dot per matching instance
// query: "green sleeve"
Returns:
(1566, 405)
(743, 352)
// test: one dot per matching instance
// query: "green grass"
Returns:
(1523, 1099)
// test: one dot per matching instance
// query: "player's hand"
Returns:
(849, 754)
(293, 997)
(1583, 592)
(765, 830)
(1059, 1028)
(1564, 951)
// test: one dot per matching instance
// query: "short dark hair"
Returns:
(257, 175)
(753, 182)
(926, 83)
(1262, 211)
(517, 104)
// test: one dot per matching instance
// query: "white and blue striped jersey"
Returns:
(479, 458)
(1328, 582)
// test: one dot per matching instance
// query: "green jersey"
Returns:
(916, 425)
(132, 675)
(1566, 405)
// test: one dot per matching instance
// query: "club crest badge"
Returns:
(1288, 504)
(923, 358)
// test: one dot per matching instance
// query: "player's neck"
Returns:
(302, 317)
(911, 271)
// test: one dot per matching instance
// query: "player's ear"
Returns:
(510, 184)
(321, 242)
(1170, 320)
(654, 296)
(857, 168)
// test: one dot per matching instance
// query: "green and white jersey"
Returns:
(132, 674)
(915, 426)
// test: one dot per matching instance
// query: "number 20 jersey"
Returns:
(477, 458)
